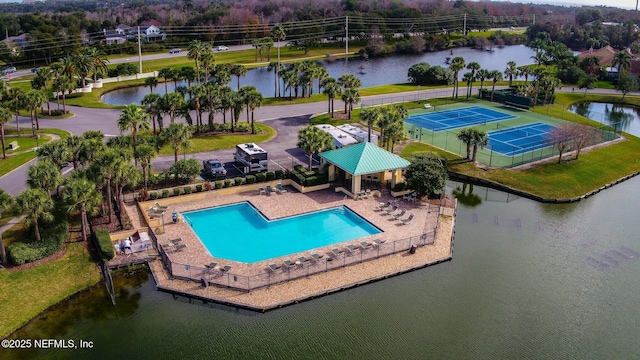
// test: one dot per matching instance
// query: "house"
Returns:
(604, 54)
(113, 37)
(148, 33)
(16, 43)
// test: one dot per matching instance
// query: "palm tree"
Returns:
(74, 144)
(196, 49)
(44, 175)
(67, 67)
(33, 99)
(152, 102)
(511, 71)
(468, 78)
(144, 154)
(371, 116)
(62, 85)
(465, 136)
(151, 82)
(350, 97)
(170, 103)
(133, 118)
(166, 73)
(456, 65)
(622, 60)
(331, 88)
(5, 202)
(5, 117)
(483, 74)
(474, 67)
(495, 76)
(278, 33)
(38, 205)
(177, 136)
(275, 67)
(56, 151)
(349, 81)
(100, 62)
(80, 194)
(238, 70)
(189, 74)
(312, 140)
(479, 139)
(43, 77)
(125, 174)
(242, 92)
(253, 99)
(206, 59)
(15, 103)
(197, 94)
(104, 168)
(84, 66)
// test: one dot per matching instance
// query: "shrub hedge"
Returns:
(251, 179)
(260, 177)
(52, 238)
(238, 181)
(106, 247)
(187, 189)
(176, 191)
(198, 187)
(218, 184)
(270, 176)
(153, 195)
(165, 193)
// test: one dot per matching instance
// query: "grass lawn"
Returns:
(26, 142)
(26, 293)
(570, 178)
(217, 142)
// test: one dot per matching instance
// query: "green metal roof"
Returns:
(364, 158)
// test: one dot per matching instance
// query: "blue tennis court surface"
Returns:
(520, 139)
(457, 118)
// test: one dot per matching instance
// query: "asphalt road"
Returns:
(286, 119)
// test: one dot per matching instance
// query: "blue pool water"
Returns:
(240, 232)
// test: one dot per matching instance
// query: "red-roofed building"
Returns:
(605, 55)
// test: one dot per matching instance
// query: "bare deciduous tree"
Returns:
(560, 137)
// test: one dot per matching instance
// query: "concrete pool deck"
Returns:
(323, 282)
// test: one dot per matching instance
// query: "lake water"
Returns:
(379, 71)
(527, 281)
(624, 117)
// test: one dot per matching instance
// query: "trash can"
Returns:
(413, 248)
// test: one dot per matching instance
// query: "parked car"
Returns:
(9, 70)
(175, 51)
(214, 168)
(34, 69)
(222, 48)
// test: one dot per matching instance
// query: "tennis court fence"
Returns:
(534, 151)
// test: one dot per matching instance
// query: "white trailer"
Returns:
(252, 157)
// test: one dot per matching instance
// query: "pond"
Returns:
(527, 280)
(624, 117)
(372, 72)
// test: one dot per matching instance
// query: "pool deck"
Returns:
(306, 287)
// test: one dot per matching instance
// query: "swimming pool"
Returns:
(242, 233)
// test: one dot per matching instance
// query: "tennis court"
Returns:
(457, 118)
(521, 139)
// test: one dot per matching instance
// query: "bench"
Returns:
(13, 145)
(427, 106)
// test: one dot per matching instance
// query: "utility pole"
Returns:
(346, 37)
(139, 51)
(534, 19)
(464, 27)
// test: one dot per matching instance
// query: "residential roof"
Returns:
(604, 54)
(364, 158)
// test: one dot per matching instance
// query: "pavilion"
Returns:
(351, 166)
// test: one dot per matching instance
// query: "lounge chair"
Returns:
(270, 190)
(155, 211)
(160, 206)
(336, 252)
(365, 244)
(260, 190)
(280, 188)
(316, 257)
(352, 248)
(288, 264)
(378, 242)
(399, 215)
(274, 267)
(176, 241)
(389, 211)
(383, 206)
(211, 265)
(405, 221)
(225, 269)
(303, 259)
(180, 247)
